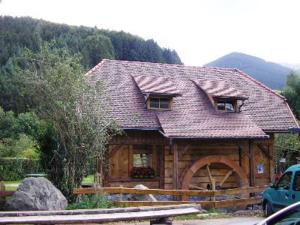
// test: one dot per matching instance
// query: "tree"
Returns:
(79, 126)
(292, 93)
(19, 134)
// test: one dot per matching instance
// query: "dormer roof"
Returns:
(154, 85)
(219, 89)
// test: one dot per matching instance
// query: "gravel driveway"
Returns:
(222, 221)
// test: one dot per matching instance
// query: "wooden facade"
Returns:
(190, 164)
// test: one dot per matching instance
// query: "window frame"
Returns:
(225, 101)
(159, 108)
(149, 167)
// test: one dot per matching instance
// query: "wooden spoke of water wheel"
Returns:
(213, 180)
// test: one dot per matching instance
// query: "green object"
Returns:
(284, 192)
(12, 169)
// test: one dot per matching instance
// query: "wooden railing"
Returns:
(201, 193)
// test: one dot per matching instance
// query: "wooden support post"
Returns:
(2, 199)
(240, 156)
(161, 153)
(98, 178)
(271, 165)
(251, 164)
(175, 166)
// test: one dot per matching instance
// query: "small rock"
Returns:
(149, 197)
(37, 194)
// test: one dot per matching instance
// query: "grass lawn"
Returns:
(12, 185)
(88, 180)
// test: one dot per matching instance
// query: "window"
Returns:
(142, 162)
(225, 105)
(142, 156)
(159, 103)
(142, 159)
(284, 181)
(296, 184)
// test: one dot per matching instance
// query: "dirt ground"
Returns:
(221, 221)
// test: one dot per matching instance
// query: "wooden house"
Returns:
(190, 127)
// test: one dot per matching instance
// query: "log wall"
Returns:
(120, 163)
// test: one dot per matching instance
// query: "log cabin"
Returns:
(188, 127)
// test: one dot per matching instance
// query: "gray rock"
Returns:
(149, 197)
(37, 194)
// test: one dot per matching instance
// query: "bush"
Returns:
(91, 202)
(16, 168)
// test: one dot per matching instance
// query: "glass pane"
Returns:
(137, 161)
(229, 107)
(154, 103)
(289, 217)
(284, 181)
(221, 106)
(142, 160)
(164, 103)
(296, 185)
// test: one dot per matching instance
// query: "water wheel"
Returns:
(206, 163)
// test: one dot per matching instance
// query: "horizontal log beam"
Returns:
(203, 204)
(204, 193)
(99, 218)
(93, 211)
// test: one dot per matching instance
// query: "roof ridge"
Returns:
(170, 65)
(258, 83)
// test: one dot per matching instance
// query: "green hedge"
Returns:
(12, 169)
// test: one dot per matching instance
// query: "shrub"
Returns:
(16, 168)
(91, 202)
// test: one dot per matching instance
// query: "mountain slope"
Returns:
(92, 43)
(271, 74)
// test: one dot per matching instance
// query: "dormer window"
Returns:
(222, 95)
(159, 103)
(157, 91)
(226, 105)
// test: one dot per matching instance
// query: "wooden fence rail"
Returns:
(203, 204)
(244, 198)
(202, 193)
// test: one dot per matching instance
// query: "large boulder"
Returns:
(37, 194)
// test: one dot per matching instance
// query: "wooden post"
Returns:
(99, 175)
(251, 163)
(271, 161)
(175, 166)
(240, 156)
(2, 199)
(161, 153)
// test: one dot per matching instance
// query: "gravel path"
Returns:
(224, 221)
(221, 221)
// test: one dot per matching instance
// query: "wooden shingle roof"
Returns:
(156, 85)
(192, 115)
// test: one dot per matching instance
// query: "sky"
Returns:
(199, 30)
